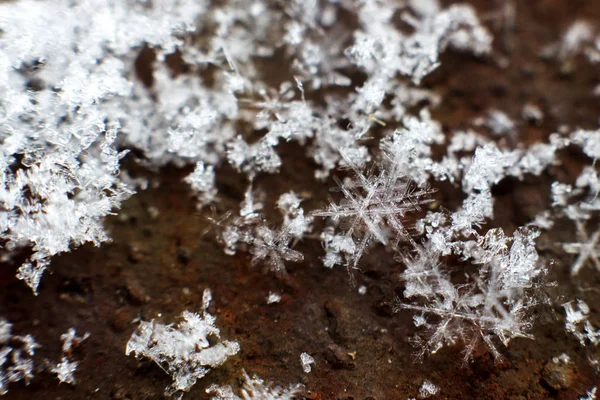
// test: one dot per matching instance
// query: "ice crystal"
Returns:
(253, 389)
(202, 181)
(294, 219)
(589, 142)
(499, 123)
(374, 207)
(17, 358)
(590, 394)
(273, 298)
(532, 113)
(16, 363)
(493, 305)
(184, 352)
(306, 360)
(586, 248)
(409, 149)
(339, 248)
(58, 154)
(252, 159)
(578, 324)
(70, 97)
(65, 371)
(272, 247)
(381, 49)
(428, 389)
(269, 246)
(573, 40)
(71, 339)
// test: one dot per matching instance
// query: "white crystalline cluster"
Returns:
(65, 67)
(183, 82)
(374, 208)
(65, 369)
(253, 389)
(493, 306)
(202, 181)
(578, 324)
(184, 352)
(590, 394)
(306, 360)
(70, 98)
(272, 247)
(273, 298)
(17, 362)
(428, 389)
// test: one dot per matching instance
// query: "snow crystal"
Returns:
(184, 351)
(306, 360)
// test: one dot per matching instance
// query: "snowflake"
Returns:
(493, 304)
(590, 394)
(306, 360)
(65, 370)
(374, 208)
(202, 181)
(587, 248)
(428, 389)
(254, 389)
(65, 131)
(272, 247)
(184, 352)
(273, 298)
(578, 324)
(16, 364)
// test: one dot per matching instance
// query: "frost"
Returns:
(329, 142)
(272, 247)
(294, 219)
(382, 49)
(489, 167)
(339, 248)
(409, 149)
(532, 113)
(70, 99)
(561, 359)
(70, 339)
(184, 352)
(65, 369)
(252, 159)
(589, 141)
(561, 193)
